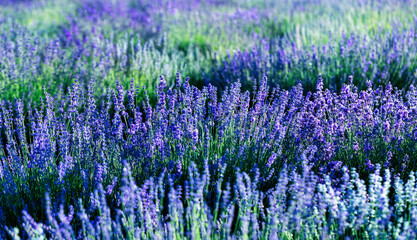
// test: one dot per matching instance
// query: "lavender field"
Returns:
(208, 119)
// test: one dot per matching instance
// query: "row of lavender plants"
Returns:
(70, 146)
(386, 57)
(103, 40)
(297, 207)
(29, 62)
